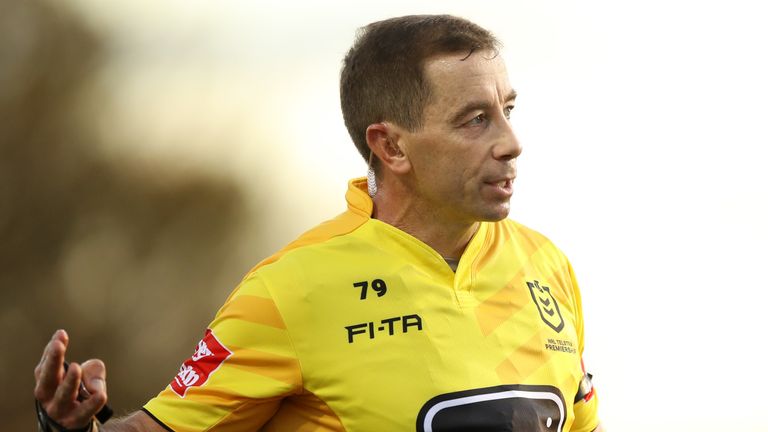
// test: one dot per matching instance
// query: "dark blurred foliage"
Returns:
(131, 261)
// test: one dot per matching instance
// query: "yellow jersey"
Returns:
(359, 326)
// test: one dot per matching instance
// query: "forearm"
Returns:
(138, 421)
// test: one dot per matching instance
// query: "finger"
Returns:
(66, 410)
(93, 377)
(49, 371)
(53, 348)
(66, 394)
(88, 408)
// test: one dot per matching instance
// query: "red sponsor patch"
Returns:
(194, 372)
(586, 382)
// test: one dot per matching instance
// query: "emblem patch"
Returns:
(547, 305)
(194, 372)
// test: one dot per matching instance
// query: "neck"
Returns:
(447, 237)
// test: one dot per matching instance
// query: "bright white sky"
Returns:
(644, 128)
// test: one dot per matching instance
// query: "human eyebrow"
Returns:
(479, 105)
(511, 96)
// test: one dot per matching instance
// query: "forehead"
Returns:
(457, 77)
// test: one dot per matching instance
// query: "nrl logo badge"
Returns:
(547, 305)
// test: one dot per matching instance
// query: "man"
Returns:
(421, 307)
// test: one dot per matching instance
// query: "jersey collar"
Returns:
(357, 197)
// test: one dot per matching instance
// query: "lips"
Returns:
(501, 187)
(501, 181)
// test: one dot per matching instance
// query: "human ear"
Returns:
(384, 140)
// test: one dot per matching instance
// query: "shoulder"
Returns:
(521, 236)
(282, 282)
(326, 234)
(310, 259)
(520, 230)
(519, 245)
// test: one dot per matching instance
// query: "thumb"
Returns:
(95, 376)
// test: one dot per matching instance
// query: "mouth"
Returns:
(501, 187)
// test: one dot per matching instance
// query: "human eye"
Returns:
(476, 120)
(508, 111)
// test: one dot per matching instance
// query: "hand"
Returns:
(58, 390)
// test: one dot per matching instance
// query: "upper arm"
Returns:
(240, 372)
(585, 409)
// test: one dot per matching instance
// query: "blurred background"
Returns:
(152, 152)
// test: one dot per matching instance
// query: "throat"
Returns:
(453, 263)
(445, 235)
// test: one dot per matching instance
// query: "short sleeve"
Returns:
(585, 413)
(585, 409)
(240, 371)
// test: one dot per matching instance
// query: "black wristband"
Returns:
(47, 424)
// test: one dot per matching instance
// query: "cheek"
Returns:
(459, 167)
(460, 179)
(434, 161)
(448, 162)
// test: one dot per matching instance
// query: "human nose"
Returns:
(507, 146)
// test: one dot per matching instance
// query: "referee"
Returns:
(421, 307)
